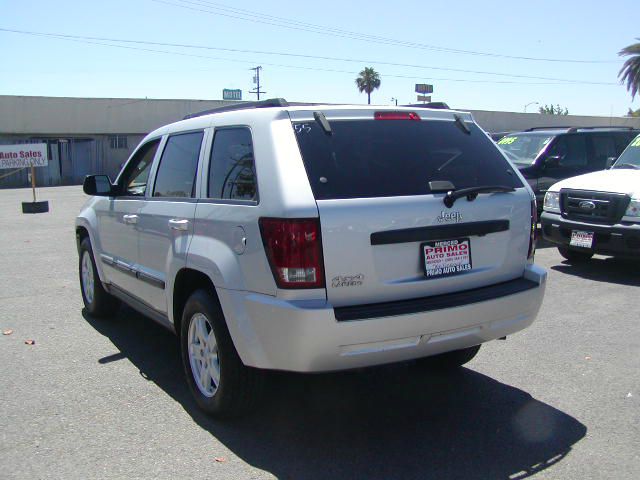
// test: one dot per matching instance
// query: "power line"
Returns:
(287, 54)
(256, 17)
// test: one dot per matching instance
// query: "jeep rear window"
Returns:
(388, 158)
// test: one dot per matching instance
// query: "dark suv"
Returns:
(547, 155)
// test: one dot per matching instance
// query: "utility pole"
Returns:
(256, 80)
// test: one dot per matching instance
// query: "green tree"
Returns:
(551, 110)
(632, 113)
(630, 71)
(368, 81)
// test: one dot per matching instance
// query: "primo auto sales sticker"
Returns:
(446, 257)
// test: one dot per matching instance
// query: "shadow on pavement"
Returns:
(610, 270)
(387, 422)
(541, 243)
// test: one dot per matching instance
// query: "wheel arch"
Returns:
(187, 281)
(84, 231)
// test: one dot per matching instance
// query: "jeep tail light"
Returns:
(534, 229)
(387, 115)
(294, 251)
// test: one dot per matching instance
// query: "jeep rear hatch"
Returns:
(380, 179)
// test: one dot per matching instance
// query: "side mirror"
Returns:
(552, 161)
(610, 162)
(99, 185)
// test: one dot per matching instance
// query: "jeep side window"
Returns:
(176, 175)
(136, 174)
(572, 150)
(232, 173)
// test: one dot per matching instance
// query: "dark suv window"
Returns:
(604, 146)
(572, 150)
(624, 139)
(386, 158)
(177, 171)
(232, 173)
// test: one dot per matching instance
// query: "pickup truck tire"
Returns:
(574, 255)
(97, 301)
(209, 357)
(449, 360)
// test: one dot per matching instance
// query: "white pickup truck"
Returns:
(598, 212)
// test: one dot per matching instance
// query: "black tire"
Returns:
(100, 303)
(449, 360)
(575, 256)
(239, 387)
(35, 207)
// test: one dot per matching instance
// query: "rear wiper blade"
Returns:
(626, 165)
(472, 192)
(461, 125)
(324, 123)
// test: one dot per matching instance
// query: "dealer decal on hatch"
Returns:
(446, 257)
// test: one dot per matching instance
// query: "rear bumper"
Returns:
(305, 336)
(618, 240)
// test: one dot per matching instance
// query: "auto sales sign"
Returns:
(24, 155)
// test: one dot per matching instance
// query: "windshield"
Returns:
(523, 148)
(378, 158)
(630, 158)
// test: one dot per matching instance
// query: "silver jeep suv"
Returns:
(313, 238)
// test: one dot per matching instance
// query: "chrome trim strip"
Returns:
(124, 267)
(106, 259)
(150, 279)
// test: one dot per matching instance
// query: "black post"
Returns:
(258, 81)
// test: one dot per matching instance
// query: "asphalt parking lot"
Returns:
(106, 398)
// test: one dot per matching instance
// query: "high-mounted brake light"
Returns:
(294, 251)
(534, 229)
(387, 115)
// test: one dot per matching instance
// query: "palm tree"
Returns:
(630, 71)
(368, 81)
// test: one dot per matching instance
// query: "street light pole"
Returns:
(530, 103)
(395, 99)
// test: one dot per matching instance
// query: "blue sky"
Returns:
(559, 30)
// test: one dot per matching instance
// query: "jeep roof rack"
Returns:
(272, 102)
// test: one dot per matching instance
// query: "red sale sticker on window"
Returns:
(446, 257)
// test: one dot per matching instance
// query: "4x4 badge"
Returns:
(347, 281)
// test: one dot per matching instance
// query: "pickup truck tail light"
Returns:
(294, 251)
(534, 230)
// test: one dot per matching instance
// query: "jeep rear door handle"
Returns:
(179, 224)
(130, 219)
